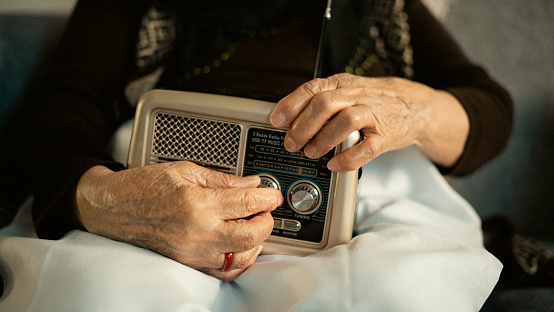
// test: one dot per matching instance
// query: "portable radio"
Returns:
(234, 135)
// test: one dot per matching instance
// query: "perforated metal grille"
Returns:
(196, 139)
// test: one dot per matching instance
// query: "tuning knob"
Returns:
(304, 197)
(269, 180)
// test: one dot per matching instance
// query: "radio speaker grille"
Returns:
(196, 139)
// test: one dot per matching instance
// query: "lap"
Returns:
(418, 249)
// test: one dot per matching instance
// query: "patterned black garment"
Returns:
(203, 44)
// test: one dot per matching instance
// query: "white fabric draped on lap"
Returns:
(418, 249)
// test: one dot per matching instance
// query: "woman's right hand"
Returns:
(183, 211)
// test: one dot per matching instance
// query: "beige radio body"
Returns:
(234, 135)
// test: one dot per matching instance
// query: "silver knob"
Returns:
(269, 180)
(304, 197)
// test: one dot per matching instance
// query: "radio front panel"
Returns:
(233, 135)
(304, 182)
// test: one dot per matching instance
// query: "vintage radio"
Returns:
(234, 135)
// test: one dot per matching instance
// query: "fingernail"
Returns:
(278, 119)
(333, 165)
(290, 145)
(310, 151)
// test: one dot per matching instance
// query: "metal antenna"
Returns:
(322, 41)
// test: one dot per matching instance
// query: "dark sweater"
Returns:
(71, 112)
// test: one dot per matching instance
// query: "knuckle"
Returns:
(342, 76)
(185, 167)
(246, 202)
(350, 119)
(191, 207)
(242, 261)
(249, 239)
(369, 153)
(342, 79)
(387, 82)
(374, 148)
(227, 179)
(322, 103)
(182, 164)
(313, 86)
(252, 201)
(241, 235)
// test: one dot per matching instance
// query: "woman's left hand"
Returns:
(390, 113)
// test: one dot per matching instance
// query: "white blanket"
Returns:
(418, 249)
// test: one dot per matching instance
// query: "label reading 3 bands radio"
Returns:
(304, 183)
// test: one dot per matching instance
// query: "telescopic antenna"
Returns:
(322, 41)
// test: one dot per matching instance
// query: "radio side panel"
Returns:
(345, 199)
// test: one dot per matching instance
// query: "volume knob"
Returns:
(269, 180)
(304, 197)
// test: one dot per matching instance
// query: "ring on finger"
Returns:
(227, 262)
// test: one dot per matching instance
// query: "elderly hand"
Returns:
(183, 211)
(390, 113)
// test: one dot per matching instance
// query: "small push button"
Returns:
(291, 225)
(277, 223)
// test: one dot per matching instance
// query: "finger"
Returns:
(242, 203)
(355, 157)
(334, 132)
(219, 180)
(315, 115)
(241, 262)
(209, 178)
(244, 234)
(288, 108)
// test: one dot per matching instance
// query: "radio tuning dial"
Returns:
(304, 197)
(268, 180)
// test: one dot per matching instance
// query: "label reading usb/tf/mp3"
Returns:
(304, 182)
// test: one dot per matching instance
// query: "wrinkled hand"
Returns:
(183, 211)
(390, 113)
